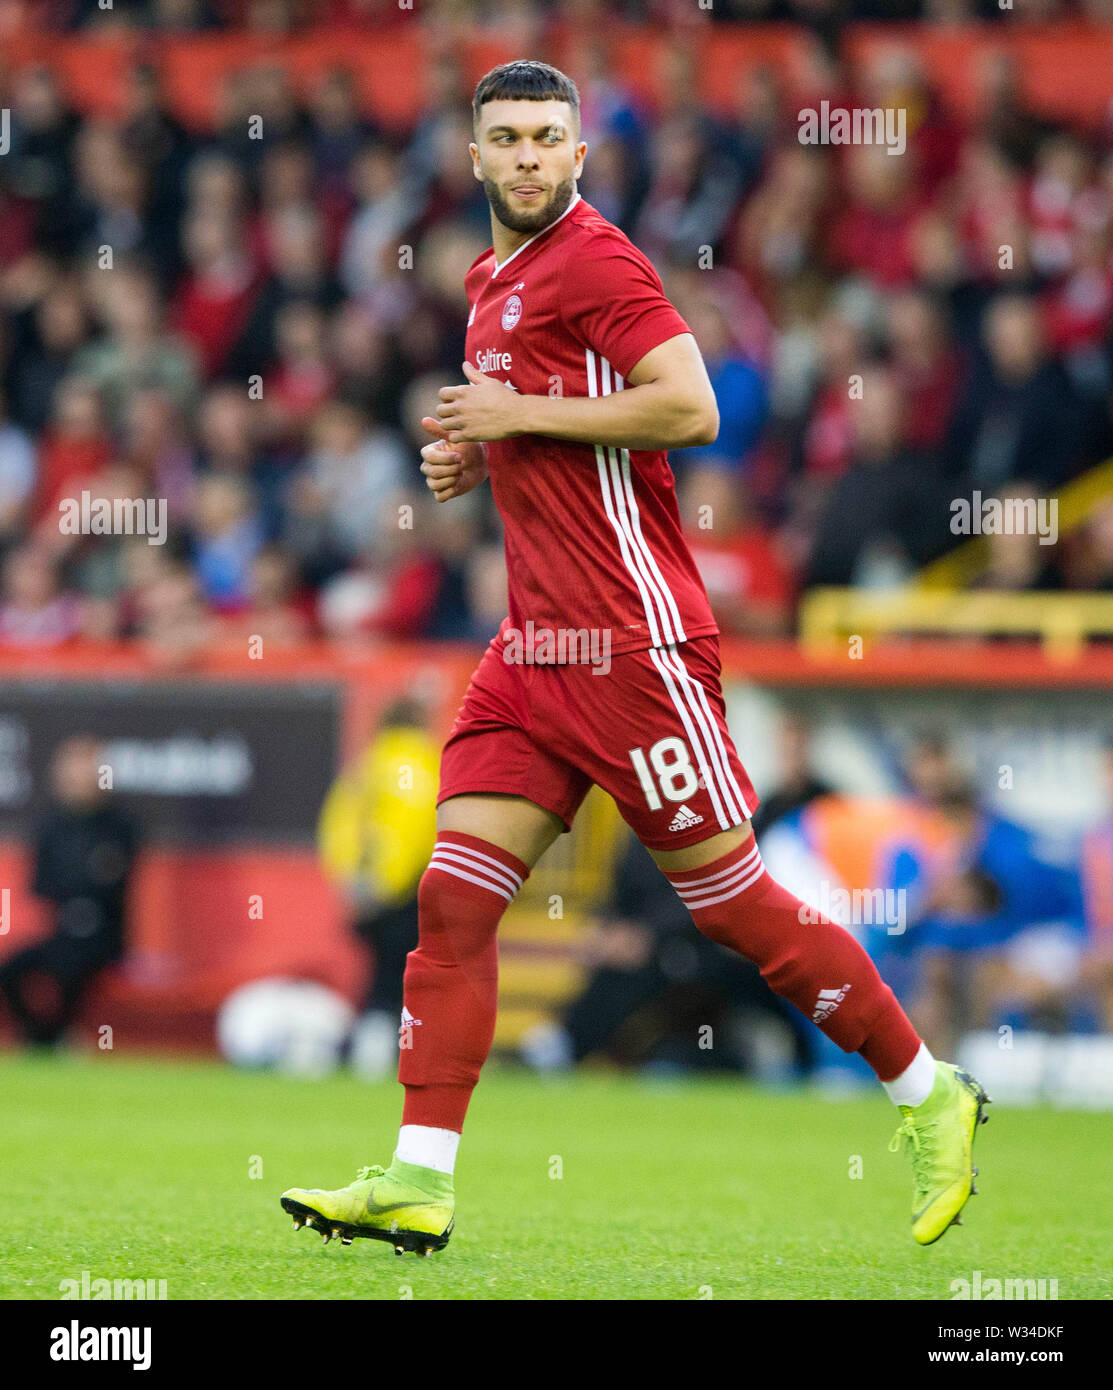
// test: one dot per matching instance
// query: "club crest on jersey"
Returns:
(511, 312)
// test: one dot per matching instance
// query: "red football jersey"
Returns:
(593, 536)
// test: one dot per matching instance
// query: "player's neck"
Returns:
(506, 241)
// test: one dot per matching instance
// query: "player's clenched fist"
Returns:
(451, 469)
(484, 409)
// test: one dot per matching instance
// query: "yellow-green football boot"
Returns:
(939, 1134)
(410, 1206)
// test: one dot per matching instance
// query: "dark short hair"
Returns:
(525, 80)
(960, 798)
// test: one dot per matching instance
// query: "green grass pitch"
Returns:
(592, 1187)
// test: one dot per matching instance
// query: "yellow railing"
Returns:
(830, 619)
(961, 566)
(938, 601)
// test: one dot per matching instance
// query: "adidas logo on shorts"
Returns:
(684, 818)
(828, 1001)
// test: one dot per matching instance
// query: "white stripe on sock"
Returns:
(742, 878)
(458, 855)
(478, 854)
(691, 883)
(435, 863)
(733, 891)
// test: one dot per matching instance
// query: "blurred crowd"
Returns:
(533, 17)
(252, 328)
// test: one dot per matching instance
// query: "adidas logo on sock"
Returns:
(828, 1001)
(684, 818)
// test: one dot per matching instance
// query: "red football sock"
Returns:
(814, 963)
(451, 981)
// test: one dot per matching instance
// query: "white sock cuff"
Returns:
(428, 1147)
(914, 1084)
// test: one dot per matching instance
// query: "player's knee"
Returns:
(455, 923)
(723, 930)
(781, 956)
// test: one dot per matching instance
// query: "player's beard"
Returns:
(529, 219)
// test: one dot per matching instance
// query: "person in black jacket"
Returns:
(1018, 417)
(653, 982)
(889, 512)
(84, 851)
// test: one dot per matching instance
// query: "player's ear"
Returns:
(473, 150)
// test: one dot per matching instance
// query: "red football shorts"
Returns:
(651, 730)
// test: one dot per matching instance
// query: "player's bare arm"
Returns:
(668, 403)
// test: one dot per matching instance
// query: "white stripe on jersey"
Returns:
(608, 503)
(697, 700)
(662, 615)
(620, 501)
(635, 516)
(706, 775)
